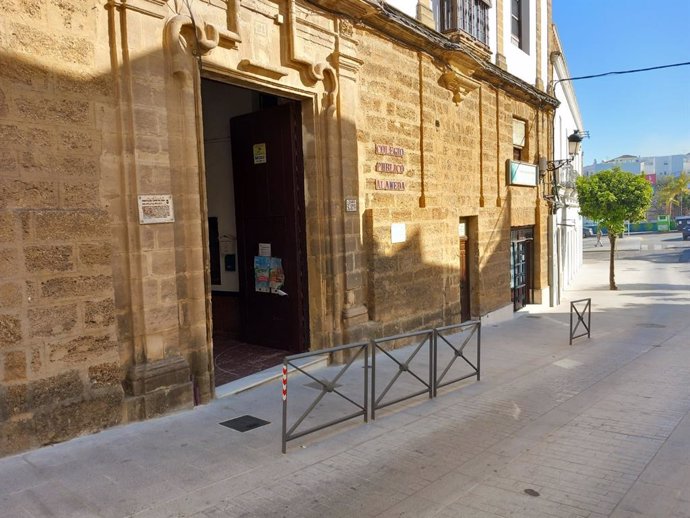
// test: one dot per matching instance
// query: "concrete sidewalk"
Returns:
(600, 428)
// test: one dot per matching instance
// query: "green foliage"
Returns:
(672, 191)
(613, 196)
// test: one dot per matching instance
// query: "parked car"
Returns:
(683, 225)
(588, 232)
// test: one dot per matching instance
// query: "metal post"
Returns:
(373, 379)
(284, 389)
(435, 371)
(366, 382)
(479, 349)
(432, 383)
(571, 324)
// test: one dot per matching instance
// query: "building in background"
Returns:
(653, 167)
(256, 178)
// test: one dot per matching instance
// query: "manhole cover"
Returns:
(533, 316)
(651, 325)
(532, 492)
(244, 423)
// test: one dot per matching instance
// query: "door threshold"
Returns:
(267, 375)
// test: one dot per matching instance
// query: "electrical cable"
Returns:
(621, 72)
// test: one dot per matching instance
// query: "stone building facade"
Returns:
(156, 155)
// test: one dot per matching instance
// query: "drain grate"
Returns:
(244, 423)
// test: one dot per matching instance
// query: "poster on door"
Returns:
(269, 275)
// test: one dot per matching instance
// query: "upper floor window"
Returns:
(519, 140)
(470, 16)
(519, 23)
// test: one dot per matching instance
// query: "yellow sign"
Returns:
(259, 153)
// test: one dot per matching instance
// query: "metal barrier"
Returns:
(403, 366)
(327, 387)
(473, 328)
(586, 311)
(430, 381)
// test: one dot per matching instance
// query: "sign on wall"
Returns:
(389, 167)
(155, 208)
(520, 173)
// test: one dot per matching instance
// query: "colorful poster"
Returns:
(277, 275)
(269, 276)
(262, 271)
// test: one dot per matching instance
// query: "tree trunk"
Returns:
(612, 272)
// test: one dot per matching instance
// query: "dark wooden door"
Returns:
(269, 199)
(465, 309)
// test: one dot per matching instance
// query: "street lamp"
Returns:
(545, 166)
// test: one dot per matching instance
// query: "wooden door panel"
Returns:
(269, 209)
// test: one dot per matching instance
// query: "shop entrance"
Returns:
(255, 198)
(521, 264)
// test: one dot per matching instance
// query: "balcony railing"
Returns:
(469, 16)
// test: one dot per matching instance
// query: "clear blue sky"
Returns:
(646, 113)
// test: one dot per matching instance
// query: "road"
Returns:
(641, 242)
(599, 428)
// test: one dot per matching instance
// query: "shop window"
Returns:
(469, 16)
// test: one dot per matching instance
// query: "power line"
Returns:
(621, 72)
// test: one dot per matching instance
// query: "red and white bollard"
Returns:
(284, 382)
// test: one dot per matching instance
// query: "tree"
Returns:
(611, 197)
(675, 190)
(663, 195)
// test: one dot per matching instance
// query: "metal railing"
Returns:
(584, 311)
(473, 329)
(403, 366)
(327, 386)
(427, 377)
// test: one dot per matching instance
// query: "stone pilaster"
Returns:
(500, 37)
(425, 14)
(147, 258)
(354, 312)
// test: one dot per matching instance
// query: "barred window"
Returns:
(470, 16)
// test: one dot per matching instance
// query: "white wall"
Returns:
(520, 63)
(220, 103)
(409, 7)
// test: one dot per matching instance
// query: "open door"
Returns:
(269, 183)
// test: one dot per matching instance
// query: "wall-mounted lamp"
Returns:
(574, 144)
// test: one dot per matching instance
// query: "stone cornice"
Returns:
(457, 56)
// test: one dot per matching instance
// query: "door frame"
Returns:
(522, 237)
(313, 183)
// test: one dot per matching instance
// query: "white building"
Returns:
(567, 222)
(653, 167)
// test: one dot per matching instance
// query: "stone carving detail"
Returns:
(206, 38)
(458, 84)
(346, 28)
(315, 72)
(190, 31)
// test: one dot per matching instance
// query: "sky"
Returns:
(647, 113)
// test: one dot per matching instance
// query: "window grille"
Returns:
(470, 16)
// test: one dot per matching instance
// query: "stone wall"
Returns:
(106, 320)
(454, 166)
(60, 371)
